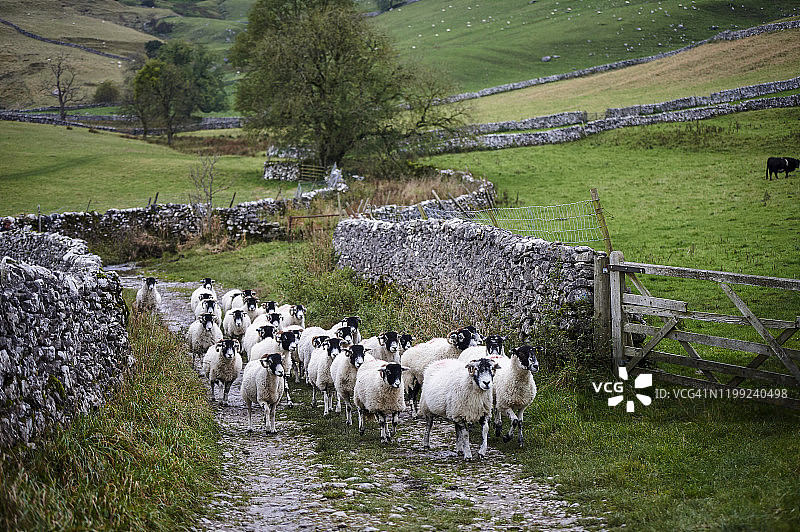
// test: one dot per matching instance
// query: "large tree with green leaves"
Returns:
(318, 75)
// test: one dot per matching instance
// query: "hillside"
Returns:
(483, 44)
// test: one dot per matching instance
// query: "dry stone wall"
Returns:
(484, 267)
(63, 344)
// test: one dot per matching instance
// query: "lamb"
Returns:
(262, 383)
(378, 390)
(292, 315)
(147, 298)
(235, 324)
(255, 334)
(515, 389)
(222, 364)
(202, 334)
(210, 306)
(206, 287)
(385, 346)
(461, 393)
(492, 348)
(343, 372)
(319, 372)
(306, 345)
(284, 343)
(418, 357)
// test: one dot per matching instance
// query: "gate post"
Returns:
(601, 336)
(617, 283)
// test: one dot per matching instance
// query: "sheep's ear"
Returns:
(382, 371)
(453, 337)
(299, 333)
(405, 368)
(237, 345)
(264, 361)
(496, 367)
(382, 339)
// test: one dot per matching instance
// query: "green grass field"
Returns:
(483, 44)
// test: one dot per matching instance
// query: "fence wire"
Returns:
(571, 223)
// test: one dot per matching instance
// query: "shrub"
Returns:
(107, 92)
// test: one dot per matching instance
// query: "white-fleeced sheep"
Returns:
(235, 324)
(492, 348)
(515, 389)
(461, 393)
(344, 370)
(297, 364)
(222, 364)
(210, 306)
(284, 343)
(147, 297)
(235, 298)
(418, 357)
(385, 346)
(206, 287)
(306, 345)
(379, 391)
(262, 383)
(292, 315)
(251, 307)
(255, 333)
(351, 322)
(202, 334)
(319, 372)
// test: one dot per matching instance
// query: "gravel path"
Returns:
(278, 485)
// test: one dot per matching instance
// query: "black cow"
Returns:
(775, 165)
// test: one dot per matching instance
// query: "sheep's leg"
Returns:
(313, 396)
(338, 403)
(462, 438)
(249, 415)
(384, 430)
(266, 417)
(213, 394)
(225, 393)
(484, 436)
(514, 423)
(498, 422)
(289, 402)
(414, 395)
(348, 412)
(395, 421)
(325, 402)
(520, 438)
(296, 370)
(361, 421)
(272, 410)
(426, 440)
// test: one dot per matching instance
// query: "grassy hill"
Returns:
(483, 44)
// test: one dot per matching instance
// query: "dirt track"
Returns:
(278, 485)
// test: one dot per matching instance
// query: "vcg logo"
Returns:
(643, 380)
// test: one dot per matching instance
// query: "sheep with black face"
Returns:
(378, 391)
(262, 383)
(222, 364)
(515, 389)
(147, 297)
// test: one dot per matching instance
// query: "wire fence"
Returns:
(571, 223)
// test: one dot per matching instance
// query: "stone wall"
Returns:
(62, 43)
(483, 267)
(63, 344)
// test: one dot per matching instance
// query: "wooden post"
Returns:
(603, 227)
(422, 211)
(289, 229)
(617, 285)
(602, 306)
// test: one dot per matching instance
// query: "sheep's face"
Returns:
(332, 346)
(389, 340)
(269, 306)
(392, 373)
(356, 354)
(406, 341)
(494, 344)
(251, 303)
(249, 293)
(482, 372)
(150, 283)
(207, 319)
(273, 363)
(274, 319)
(463, 338)
(317, 340)
(354, 322)
(209, 305)
(345, 334)
(238, 317)
(228, 348)
(205, 296)
(207, 283)
(478, 337)
(288, 340)
(266, 331)
(298, 311)
(527, 357)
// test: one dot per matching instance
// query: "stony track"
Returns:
(277, 484)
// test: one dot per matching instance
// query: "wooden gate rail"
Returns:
(671, 311)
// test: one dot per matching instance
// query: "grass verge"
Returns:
(146, 460)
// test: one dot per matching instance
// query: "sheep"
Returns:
(344, 369)
(297, 364)
(492, 348)
(251, 307)
(262, 383)
(319, 372)
(222, 364)
(292, 315)
(515, 389)
(306, 345)
(379, 390)
(256, 333)
(206, 287)
(267, 307)
(235, 324)
(202, 334)
(235, 298)
(284, 343)
(210, 306)
(353, 322)
(461, 393)
(419, 356)
(147, 297)
(406, 341)
(385, 346)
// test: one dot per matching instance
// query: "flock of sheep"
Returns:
(465, 378)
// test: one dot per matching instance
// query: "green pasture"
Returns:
(483, 44)
(64, 169)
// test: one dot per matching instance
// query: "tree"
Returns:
(199, 65)
(107, 92)
(163, 91)
(318, 75)
(62, 83)
(151, 48)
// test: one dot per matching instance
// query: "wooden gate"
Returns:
(624, 305)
